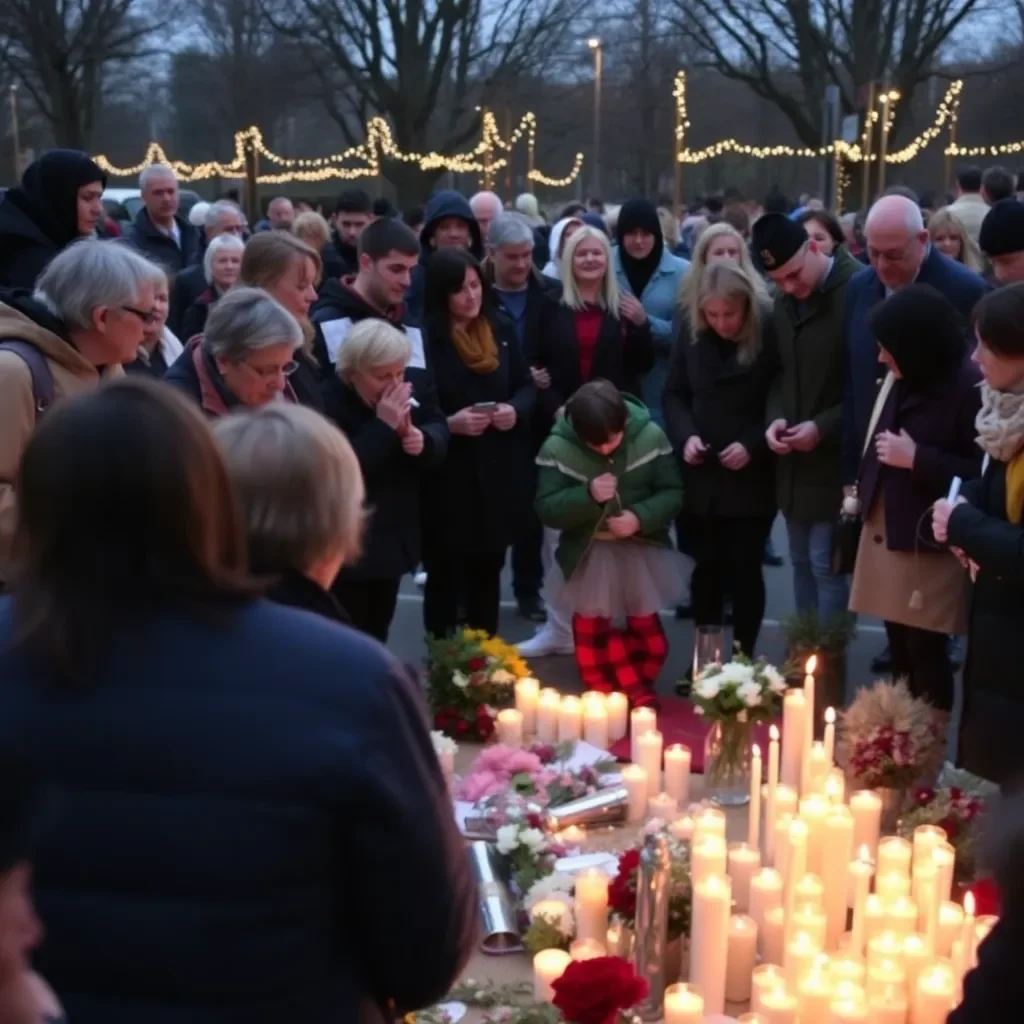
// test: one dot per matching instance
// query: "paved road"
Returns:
(407, 632)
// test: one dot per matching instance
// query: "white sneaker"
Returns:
(420, 579)
(546, 642)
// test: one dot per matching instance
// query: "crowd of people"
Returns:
(316, 409)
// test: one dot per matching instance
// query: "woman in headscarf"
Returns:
(58, 202)
(649, 277)
(560, 234)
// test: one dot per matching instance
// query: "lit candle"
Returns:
(818, 767)
(968, 936)
(682, 828)
(554, 910)
(573, 835)
(708, 856)
(801, 952)
(648, 750)
(591, 905)
(634, 778)
(780, 1006)
(617, 706)
(794, 727)
(709, 941)
(926, 896)
(527, 694)
(888, 1006)
(847, 969)
(510, 727)
(765, 978)
(814, 810)
(810, 890)
(765, 893)
(812, 664)
(595, 724)
(917, 956)
(796, 868)
(837, 850)
(944, 856)
(893, 886)
(876, 918)
(835, 786)
(786, 802)
(710, 820)
(773, 939)
(754, 816)
(815, 994)
(811, 921)
(926, 840)
(587, 949)
(935, 994)
(677, 773)
(662, 806)
(883, 975)
(683, 1005)
(894, 855)
(744, 862)
(641, 721)
(548, 705)
(866, 807)
(901, 916)
(887, 946)
(830, 736)
(548, 966)
(773, 785)
(860, 872)
(570, 720)
(741, 957)
(848, 1010)
(751, 1018)
(951, 922)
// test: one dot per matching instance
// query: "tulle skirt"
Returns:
(619, 578)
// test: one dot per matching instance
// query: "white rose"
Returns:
(545, 888)
(508, 838)
(737, 674)
(503, 677)
(443, 744)
(708, 689)
(750, 694)
(533, 839)
(774, 678)
(460, 679)
(563, 920)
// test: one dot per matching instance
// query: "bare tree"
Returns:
(62, 53)
(424, 65)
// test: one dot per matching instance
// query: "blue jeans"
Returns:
(815, 586)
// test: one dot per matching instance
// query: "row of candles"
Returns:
(599, 719)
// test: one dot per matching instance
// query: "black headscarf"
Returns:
(639, 213)
(921, 329)
(50, 187)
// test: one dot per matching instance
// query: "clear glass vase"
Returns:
(727, 763)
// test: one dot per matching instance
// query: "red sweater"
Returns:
(588, 327)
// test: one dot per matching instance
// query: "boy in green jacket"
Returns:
(610, 483)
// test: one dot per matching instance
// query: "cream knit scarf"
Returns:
(1000, 423)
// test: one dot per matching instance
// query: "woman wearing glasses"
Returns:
(245, 356)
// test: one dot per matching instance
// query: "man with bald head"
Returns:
(486, 206)
(901, 253)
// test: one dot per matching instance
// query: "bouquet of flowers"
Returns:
(594, 991)
(546, 930)
(958, 813)
(742, 689)
(470, 677)
(888, 738)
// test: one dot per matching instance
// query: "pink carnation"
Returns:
(506, 761)
(479, 785)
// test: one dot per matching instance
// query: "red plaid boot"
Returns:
(648, 647)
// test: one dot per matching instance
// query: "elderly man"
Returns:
(280, 214)
(160, 232)
(486, 206)
(221, 218)
(1002, 240)
(85, 319)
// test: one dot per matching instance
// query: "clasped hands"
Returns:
(602, 489)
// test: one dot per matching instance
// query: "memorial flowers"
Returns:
(594, 991)
(958, 814)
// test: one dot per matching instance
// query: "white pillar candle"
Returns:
(548, 966)
(968, 936)
(811, 921)
(926, 896)
(765, 978)
(662, 806)
(591, 905)
(527, 695)
(587, 949)
(648, 751)
(677, 773)
(887, 946)
(773, 938)
(786, 802)
(801, 953)
(917, 956)
(860, 872)
(818, 768)
(708, 857)
(809, 723)
(951, 922)
(883, 975)
(944, 856)
(810, 890)
(741, 957)
(893, 886)
(835, 786)
(796, 868)
(710, 820)
(595, 725)
(935, 994)
(846, 970)
(549, 703)
(682, 828)
(510, 727)
(751, 1018)
(895, 855)
(773, 786)
(765, 893)
(889, 1007)
(744, 862)
(815, 995)
(754, 811)
(837, 850)
(570, 720)
(876, 918)
(849, 1010)
(830, 736)
(814, 810)
(925, 841)
(709, 941)
(780, 1006)
(634, 778)
(782, 826)
(794, 728)
(683, 1005)
(866, 807)
(617, 706)
(641, 721)
(901, 916)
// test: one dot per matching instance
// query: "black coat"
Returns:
(391, 544)
(194, 320)
(145, 236)
(296, 590)
(624, 353)
(992, 989)
(248, 822)
(708, 394)
(339, 260)
(480, 499)
(189, 284)
(940, 419)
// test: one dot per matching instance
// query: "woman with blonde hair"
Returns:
(722, 367)
(389, 413)
(717, 242)
(950, 237)
(670, 232)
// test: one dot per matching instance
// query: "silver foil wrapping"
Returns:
(651, 937)
(497, 911)
(605, 807)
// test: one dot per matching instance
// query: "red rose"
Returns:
(987, 897)
(461, 727)
(593, 991)
(476, 664)
(924, 796)
(484, 723)
(622, 889)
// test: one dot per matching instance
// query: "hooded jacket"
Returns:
(649, 484)
(24, 319)
(441, 206)
(553, 266)
(40, 218)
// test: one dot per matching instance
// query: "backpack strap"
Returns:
(38, 367)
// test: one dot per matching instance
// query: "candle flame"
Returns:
(830, 716)
(969, 904)
(864, 854)
(756, 750)
(812, 665)
(773, 734)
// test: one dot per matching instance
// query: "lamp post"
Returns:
(15, 135)
(595, 45)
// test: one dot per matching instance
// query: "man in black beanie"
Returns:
(1002, 240)
(805, 406)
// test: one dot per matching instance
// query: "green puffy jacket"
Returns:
(650, 485)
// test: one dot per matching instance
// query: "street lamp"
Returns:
(595, 44)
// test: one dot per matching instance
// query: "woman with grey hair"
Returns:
(245, 356)
(222, 263)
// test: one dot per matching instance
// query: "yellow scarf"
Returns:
(1015, 489)
(476, 346)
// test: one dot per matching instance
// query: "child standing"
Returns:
(609, 482)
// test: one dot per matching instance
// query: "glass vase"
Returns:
(727, 763)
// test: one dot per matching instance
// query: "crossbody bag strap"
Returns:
(876, 412)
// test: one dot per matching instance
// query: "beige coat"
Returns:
(72, 374)
(970, 210)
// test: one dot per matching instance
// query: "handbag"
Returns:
(846, 532)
